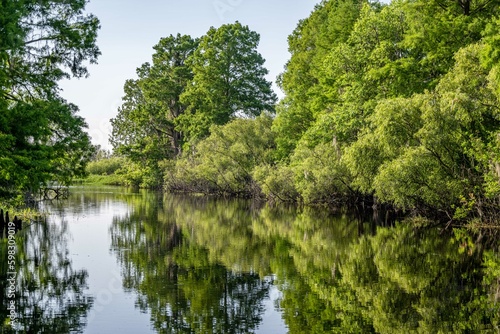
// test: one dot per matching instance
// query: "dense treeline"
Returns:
(42, 138)
(394, 104)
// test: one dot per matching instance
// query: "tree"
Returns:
(436, 150)
(45, 141)
(42, 42)
(144, 129)
(381, 101)
(329, 24)
(151, 103)
(228, 81)
(439, 28)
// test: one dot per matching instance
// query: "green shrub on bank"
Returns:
(140, 175)
(319, 174)
(276, 182)
(122, 171)
(105, 166)
(224, 161)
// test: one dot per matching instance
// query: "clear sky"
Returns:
(130, 28)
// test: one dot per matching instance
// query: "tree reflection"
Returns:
(177, 264)
(311, 246)
(401, 280)
(50, 294)
(96, 199)
(200, 266)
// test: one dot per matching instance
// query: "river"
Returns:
(114, 260)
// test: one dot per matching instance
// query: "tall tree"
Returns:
(43, 138)
(144, 128)
(151, 103)
(228, 80)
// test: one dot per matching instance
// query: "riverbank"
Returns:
(101, 180)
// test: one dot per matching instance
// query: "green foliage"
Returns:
(106, 171)
(45, 141)
(319, 174)
(224, 161)
(328, 25)
(105, 166)
(104, 180)
(144, 128)
(289, 125)
(394, 101)
(44, 41)
(276, 182)
(138, 175)
(228, 81)
(119, 170)
(391, 103)
(42, 137)
(191, 86)
(490, 56)
(441, 153)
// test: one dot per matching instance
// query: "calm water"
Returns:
(110, 260)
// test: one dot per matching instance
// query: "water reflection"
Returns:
(179, 280)
(207, 266)
(199, 265)
(50, 295)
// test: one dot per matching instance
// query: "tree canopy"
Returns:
(191, 85)
(392, 104)
(398, 107)
(42, 137)
(228, 80)
(145, 125)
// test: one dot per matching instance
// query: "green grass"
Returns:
(104, 180)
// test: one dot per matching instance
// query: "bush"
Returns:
(223, 163)
(276, 182)
(320, 175)
(105, 166)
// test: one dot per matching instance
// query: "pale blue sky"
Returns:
(130, 29)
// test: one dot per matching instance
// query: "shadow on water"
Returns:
(201, 265)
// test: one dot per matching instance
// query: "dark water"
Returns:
(110, 260)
